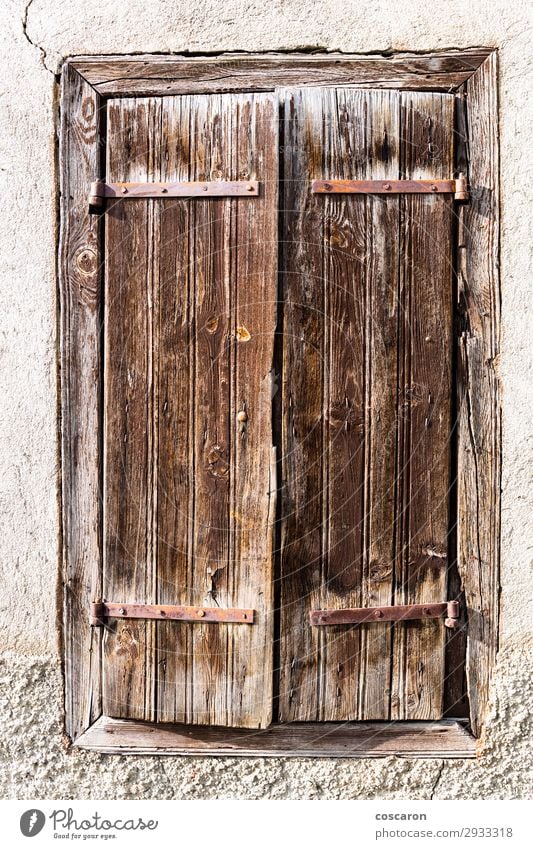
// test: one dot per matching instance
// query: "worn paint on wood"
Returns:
(365, 445)
(188, 495)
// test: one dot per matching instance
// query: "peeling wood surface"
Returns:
(479, 444)
(188, 498)
(366, 401)
(79, 269)
(150, 75)
(445, 739)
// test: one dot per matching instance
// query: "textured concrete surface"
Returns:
(35, 37)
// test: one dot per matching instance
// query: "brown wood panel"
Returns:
(189, 338)
(130, 450)
(175, 355)
(426, 127)
(365, 453)
(479, 392)
(445, 739)
(339, 397)
(302, 439)
(254, 312)
(147, 75)
(80, 258)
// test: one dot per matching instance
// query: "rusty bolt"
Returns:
(451, 623)
(162, 613)
(433, 188)
(164, 191)
(242, 416)
(378, 614)
(124, 190)
(122, 611)
(201, 613)
(387, 186)
(427, 611)
(205, 188)
(250, 188)
(244, 616)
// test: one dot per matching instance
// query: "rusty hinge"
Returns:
(396, 613)
(103, 610)
(457, 187)
(100, 190)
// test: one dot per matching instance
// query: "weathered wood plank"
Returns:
(79, 269)
(345, 155)
(479, 406)
(381, 345)
(175, 397)
(444, 739)
(211, 149)
(148, 75)
(130, 376)
(254, 312)
(427, 122)
(302, 438)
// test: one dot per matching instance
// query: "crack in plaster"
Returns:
(36, 44)
(437, 779)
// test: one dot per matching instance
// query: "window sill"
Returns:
(443, 739)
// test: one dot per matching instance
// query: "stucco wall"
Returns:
(35, 39)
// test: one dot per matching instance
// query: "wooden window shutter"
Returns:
(367, 353)
(362, 413)
(189, 497)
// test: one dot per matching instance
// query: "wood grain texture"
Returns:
(479, 392)
(150, 75)
(130, 417)
(365, 453)
(302, 438)
(425, 389)
(445, 739)
(190, 321)
(79, 273)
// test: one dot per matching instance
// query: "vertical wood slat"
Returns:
(130, 350)
(302, 443)
(333, 515)
(425, 405)
(254, 495)
(79, 268)
(212, 141)
(165, 351)
(479, 410)
(174, 393)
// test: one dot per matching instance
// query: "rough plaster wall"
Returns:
(35, 38)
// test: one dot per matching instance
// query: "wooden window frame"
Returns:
(87, 83)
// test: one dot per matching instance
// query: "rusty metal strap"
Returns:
(396, 613)
(458, 188)
(103, 610)
(100, 190)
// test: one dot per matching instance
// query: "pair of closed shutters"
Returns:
(327, 320)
